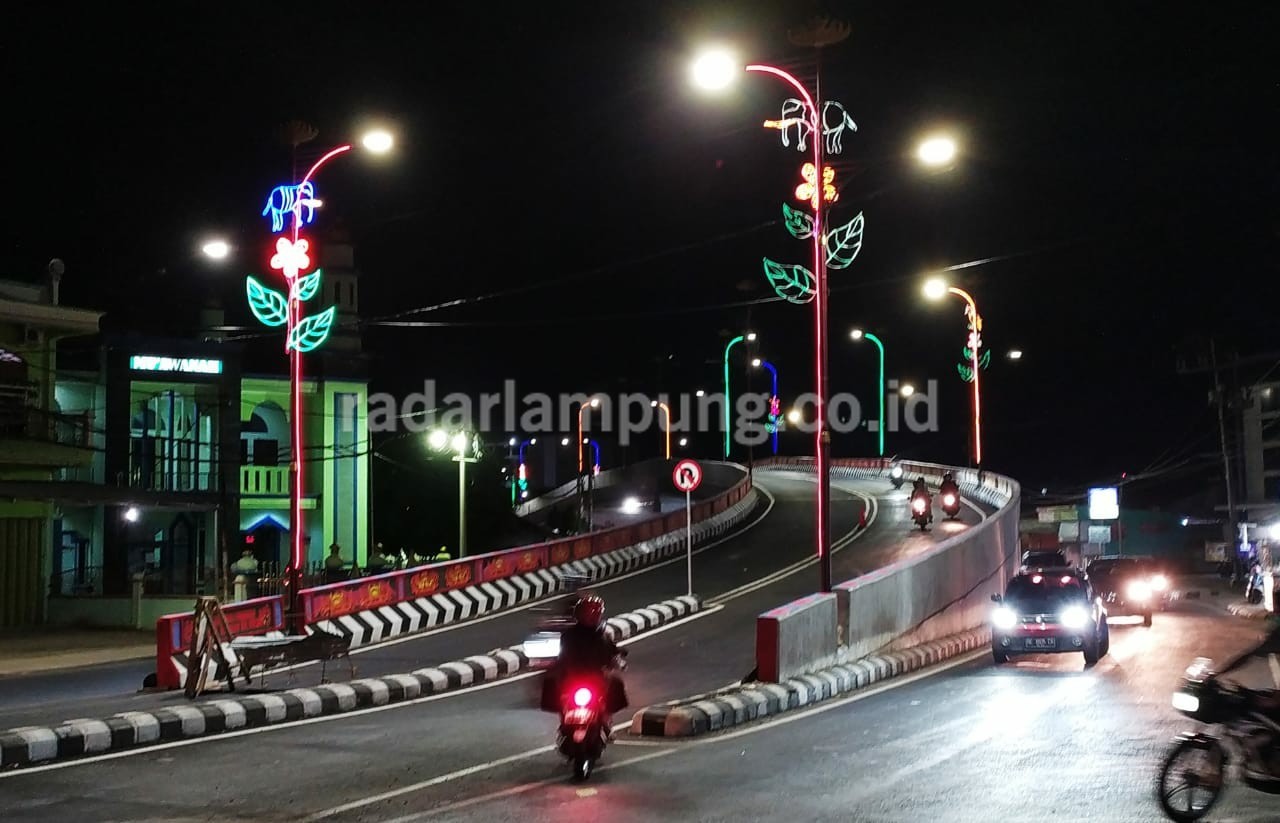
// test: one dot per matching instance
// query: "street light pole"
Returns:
(667, 411)
(822, 436)
(594, 403)
(728, 398)
(774, 372)
(858, 334)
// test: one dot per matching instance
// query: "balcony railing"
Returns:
(29, 423)
(264, 480)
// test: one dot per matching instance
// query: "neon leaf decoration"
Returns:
(793, 283)
(306, 287)
(808, 190)
(799, 223)
(268, 305)
(966, 373)
(844, 243)
(312, 331)
(966, 368)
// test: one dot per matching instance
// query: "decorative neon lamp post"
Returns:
(859, 334)
(291, 207)
(936, 289)
(595, 452)
(522, 473)
(775, 404)
(824, 123)
(657, 404)
(728, 399)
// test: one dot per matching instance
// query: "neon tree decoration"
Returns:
(791, 281)
(284, 200)
(775, 405)
(808, 190)
(797, 118)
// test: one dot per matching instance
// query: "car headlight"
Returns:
(1137, 590)
(1074, 617)
(542, 646)
(1186, 702)
(1159, 583)
(895, 472)
(1004, 618)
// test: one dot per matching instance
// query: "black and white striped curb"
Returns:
(377, 625)
(743, 704)
(29, 745)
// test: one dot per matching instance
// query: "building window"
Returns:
(266, 452)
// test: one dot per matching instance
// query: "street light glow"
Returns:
(856, 334)
(793, 416)
(564, 441)
(378, 141)
(755, 361)
(700, 393)
(935, 288)
(714, 70)
(216, 249)
(132, 514)
(595, 402)
(437, 439)
(459, 442)
(1015, 354)
(906, 390)
(751, 337)
(684, 441)
(936, 151)
(511, 442)
(631, 505)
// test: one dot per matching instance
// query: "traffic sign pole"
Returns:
(688, 531)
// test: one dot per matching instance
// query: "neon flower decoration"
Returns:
(291, 257)
(797, 122)
(808, 190)
(791, 281)
(974, 343)
(285, 200)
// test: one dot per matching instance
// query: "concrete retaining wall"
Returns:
(796, 638)
(944, 591)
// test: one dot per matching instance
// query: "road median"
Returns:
(35, 745)
(720, 710)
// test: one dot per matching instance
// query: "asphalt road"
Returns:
(347, 758)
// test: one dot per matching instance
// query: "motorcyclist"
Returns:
(584, 647)
(920, 489)
(1266, 701)
(949, 484)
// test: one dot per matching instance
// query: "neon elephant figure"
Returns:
(833, 129)
(286, 199)
(798, 116)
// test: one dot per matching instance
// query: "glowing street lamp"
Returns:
(290, 208)
(935, 289)
(460, 443)
(906, 390)
(728, 398)
(774, 402)
(859, 334)
(714, 70)
(684, 441)
(595, 404)
(794, 417)
(656, 404)
(216, 249)
(1015, 354)
(937, 151)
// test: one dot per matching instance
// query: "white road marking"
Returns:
(672, 748)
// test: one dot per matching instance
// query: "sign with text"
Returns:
(1104, 503)
(187, 365)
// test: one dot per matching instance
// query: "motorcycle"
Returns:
(1194, 772)
(951, 503)
(896, 477)
(921, 510)
(583, 733)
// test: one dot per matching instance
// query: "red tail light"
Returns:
(582, 698)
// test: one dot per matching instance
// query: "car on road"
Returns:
(1129, 586)
(1044, 559)
(1049, 612)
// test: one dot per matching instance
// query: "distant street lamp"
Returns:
(216, 249)
(594, 403)
(460, 443)
(728, 398)
(935, 289)
(906, 390)
(774, 400)
(684, 441)
(937, 151)
(667, 411)
(1015, 354)
(859, 334)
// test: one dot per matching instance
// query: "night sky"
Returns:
(604, 223)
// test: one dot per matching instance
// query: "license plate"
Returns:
(577, 717)
(1042, 643)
